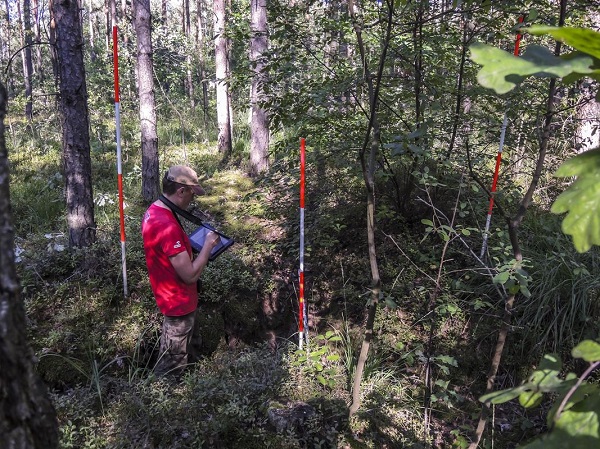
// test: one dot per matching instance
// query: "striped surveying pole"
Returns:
(302, 318)
(119, 167)
(498, 159)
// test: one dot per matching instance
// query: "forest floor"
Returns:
(254, 388)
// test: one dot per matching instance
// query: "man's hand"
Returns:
(212, 239)
(189, 270)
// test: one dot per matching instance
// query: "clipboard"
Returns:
(199, 235)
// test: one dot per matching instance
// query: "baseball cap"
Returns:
(182, 174)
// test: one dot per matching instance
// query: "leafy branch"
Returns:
(573, 418)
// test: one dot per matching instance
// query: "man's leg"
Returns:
(196, 341)
(174, 344)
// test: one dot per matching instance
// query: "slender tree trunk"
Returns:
(466, 39)
(111, 20)
(221, 65)
(27, 417)
(185, 17)
(75, 123)
(6, 49)
(189, 80)
(259, 122)
(163, 12)
(26, 56)
(417, 35)
(39, 68)
(368, 164)
(149, 136)
(513, 224)
(92, 35)
(200, 45)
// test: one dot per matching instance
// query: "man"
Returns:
(173, 270)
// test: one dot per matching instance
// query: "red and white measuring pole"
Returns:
(119, 167)
(302, 318)
(498, 160)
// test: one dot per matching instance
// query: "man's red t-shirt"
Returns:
(164, 238)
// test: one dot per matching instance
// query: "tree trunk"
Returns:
(111, 20)
(189, 79)
(163, 12)
(369, 163)
(460, 98)
(259, 122)
(39, 67)
(223, 119)
(200, 42)
(27, 417)
(26, 56)
(149, 136)
(77, 163)
(6, 48)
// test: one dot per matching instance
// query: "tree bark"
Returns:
(142, 24)
(259, 121)
(26, 56)
(27, 417)
(39, 67)
(189, 79)
(200, 42)
(111, 20)
(6, 48)
(163, 12)
(221, 65)
(77, 163)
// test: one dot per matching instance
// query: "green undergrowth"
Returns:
(434, 330)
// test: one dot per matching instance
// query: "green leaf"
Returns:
(583, 391)
(390, 303)
(582, 418)
(581, 201)
(525, 291)
(530, 399)
(587, 350)
(501, 277)
(427, 222)
(584, 163)
(502, 396)
(333, 357)
(533, 14)
(551, 363)
(446, 359)
(582, 39)
(442, 383)
(502, 71)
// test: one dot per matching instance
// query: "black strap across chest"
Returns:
(179, 211)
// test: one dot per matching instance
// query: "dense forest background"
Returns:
(415, 309)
